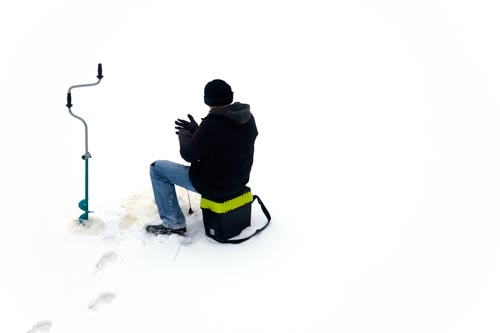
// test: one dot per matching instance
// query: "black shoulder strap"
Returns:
(266, 213)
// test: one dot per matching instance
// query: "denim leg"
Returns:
(164, 175)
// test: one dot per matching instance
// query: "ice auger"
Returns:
(84, 204)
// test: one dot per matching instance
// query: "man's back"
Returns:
(221, 151)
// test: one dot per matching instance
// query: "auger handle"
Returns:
(99, 71)
(69, 101)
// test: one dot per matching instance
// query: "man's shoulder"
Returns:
(214, 119)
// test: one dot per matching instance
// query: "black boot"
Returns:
(160, 229)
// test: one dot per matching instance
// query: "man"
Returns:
(220, 151)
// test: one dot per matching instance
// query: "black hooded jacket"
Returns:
(221, 151)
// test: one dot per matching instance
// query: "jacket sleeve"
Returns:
(193, 146)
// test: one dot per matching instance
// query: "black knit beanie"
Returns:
(218, 93)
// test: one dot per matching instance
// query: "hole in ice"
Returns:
(94, 226)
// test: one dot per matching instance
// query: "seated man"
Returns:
(220, 151)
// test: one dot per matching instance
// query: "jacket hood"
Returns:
(238, 112)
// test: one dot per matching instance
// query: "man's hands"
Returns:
(190, 125)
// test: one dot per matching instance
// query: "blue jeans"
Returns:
(164, 175)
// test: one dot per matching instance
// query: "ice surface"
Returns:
(377, 157)
(140, 209)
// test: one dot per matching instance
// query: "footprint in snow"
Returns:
(41, 327)
(106, 260)
(102, 300)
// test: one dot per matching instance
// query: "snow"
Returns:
(377, 158)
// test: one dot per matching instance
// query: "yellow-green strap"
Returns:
(226, 206)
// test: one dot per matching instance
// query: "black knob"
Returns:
(69, 101)
(99, 72)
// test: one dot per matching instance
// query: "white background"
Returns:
(377, 157)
